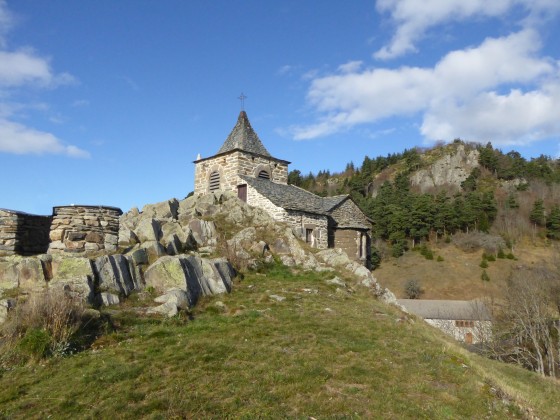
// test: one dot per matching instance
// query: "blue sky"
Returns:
(109, 102)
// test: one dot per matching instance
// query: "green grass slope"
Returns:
(320, 352)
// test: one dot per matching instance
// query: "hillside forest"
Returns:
(504, 194)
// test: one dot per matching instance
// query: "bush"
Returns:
(45, 324)
(510, 256)
(439, 258)
(375, 258)
(426, 252)
(490, 258)
(484, 264)
(412, 289)
(398, 248)
(485, 276)
(501, 253)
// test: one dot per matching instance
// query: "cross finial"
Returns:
(242, 98)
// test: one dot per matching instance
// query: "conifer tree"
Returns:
(537, 214)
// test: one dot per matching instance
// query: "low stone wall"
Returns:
(84, 229)
(22, 233)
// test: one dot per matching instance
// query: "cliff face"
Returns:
(451, 170)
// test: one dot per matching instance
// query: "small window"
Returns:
(264, 174)
(214, 182)
(309, 235)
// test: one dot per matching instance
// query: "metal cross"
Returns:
(242, 99)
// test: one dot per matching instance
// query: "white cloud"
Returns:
(6, 22)
(414, 18)
(19, 139)
(499, 91)
(20, 70)
(350, 67)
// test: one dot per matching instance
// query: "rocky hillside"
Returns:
(180, 249)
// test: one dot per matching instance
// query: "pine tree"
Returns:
(553, 223)
(537, 214)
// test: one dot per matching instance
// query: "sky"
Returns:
(107, 102)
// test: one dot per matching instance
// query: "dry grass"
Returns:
(42, 324)
(458, 276)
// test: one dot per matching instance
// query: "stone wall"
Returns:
(23, 233)
(84, 229)
(301, 221)
(231, 165)
(479, 331)
(353, 242)
(298, 220)
(256, 199)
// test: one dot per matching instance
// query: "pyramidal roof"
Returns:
(243, 137)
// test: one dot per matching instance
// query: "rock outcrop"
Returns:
(450, 170)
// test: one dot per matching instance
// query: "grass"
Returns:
(322, 352)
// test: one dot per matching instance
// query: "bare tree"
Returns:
(525, 329)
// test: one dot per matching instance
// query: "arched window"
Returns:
(214, 181)
(264, 174)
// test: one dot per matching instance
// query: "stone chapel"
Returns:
(244, 165)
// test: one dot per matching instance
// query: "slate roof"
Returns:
(330, 203)
(447, 309)
(243, 137)
(288, 196)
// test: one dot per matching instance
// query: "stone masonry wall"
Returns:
(256, 199)
(236, 163)
(300, 221)
(23, 233)
(350, 241)
(84, 229)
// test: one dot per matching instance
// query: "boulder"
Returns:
(164, 211)
(153, 250)
(203, 232)
(168, 309)
(108, 299)
(334, 257)
(178, 297)
(194, 275)
(166, 273)
(9, 273)
(82, 287)
(113, 274)
(75, 276)
(148, 230)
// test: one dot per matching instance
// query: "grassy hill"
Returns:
(321, 352)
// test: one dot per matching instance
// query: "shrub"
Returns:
(44, 324)
(412, 289)
(426, 252)
(510, 256)
(484, 264)
(375, 258)
(485, 276)
(439, 258)
(398, 248)
(490, 258)
(501, 253)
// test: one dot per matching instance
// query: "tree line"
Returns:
(402, 216)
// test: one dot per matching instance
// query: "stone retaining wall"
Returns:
(22, 233)
(84, 229)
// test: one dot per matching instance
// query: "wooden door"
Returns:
(242, 192)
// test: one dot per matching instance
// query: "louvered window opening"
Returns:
(214, 184)
(264, 174)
